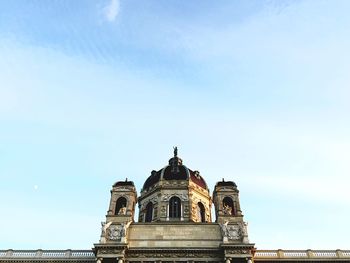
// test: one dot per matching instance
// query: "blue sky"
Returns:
(92, 92)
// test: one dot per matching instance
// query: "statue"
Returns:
(244, 232)
(224, 229)
(124, 228)
(227, 209)
(122, 211)
(104, 227)
(175, 151)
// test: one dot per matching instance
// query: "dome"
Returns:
(226, 183)
(124, 183)
(174, 171)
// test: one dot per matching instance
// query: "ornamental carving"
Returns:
(231, 232)
(175, 254)
(238, 251)
(113, 232)
(124, 188)
(166, 197)
(153, 200)
(110, 251)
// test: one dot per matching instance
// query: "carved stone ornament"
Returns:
(153, 200)
(231, 232)
(117, 232)
(124, 188)
(238, 251)
(173, 254)
(166, 197)
(110, 251)
(114, 233)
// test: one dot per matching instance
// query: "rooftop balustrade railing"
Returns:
(299, 254)
(259, 254)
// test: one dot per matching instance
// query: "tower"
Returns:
(226, 201)
(113, 240)
(228, 213)
(122, 202)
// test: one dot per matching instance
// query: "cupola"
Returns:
(175, 193)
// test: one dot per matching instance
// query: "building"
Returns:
(174, 225)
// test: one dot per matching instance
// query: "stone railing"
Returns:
(260, 255)
(47, 254)
(302, 254)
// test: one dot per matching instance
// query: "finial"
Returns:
(175, 151)
(223, 179)
(126, 179)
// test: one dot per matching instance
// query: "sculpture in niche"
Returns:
(122, 211)
(227, 210)
(228, 206)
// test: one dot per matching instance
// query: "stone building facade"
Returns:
(174, 221)
(174, 225)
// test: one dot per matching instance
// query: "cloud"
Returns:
(111, 10)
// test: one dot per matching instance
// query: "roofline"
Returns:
(260, 255)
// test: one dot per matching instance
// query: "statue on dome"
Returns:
(175, 151)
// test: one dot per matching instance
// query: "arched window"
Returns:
(201, 212)
(149, 212)
(120, 207)
(228, 207)
(174, 207)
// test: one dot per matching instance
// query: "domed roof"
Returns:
(124, 183)
(174, 171)
(226, 183)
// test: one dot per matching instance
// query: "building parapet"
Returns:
(301, 254)
(260, 255)
(47, 254)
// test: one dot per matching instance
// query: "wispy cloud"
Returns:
(111, 10)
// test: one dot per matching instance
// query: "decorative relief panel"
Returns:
(114, 232)
(166, 197)
(233, 232)
(173, 254)
(153, 200)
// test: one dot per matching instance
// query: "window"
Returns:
(201, 212)
(120, 207)
(149, 212)
(174, 207)
(228, 207)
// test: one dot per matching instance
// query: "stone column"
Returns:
(228, 260)
(120, 260)
(182, 211)
(167, 212)
(99, 260)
